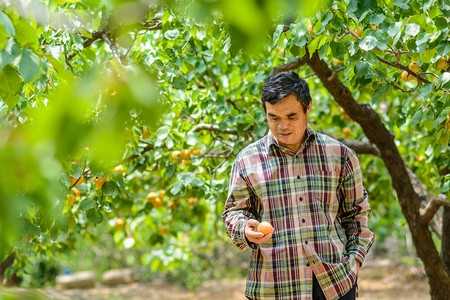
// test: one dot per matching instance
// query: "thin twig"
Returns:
(113, 47)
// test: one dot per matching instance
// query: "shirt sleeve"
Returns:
(355, 210)
(239, 208)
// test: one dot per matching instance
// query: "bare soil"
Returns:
(379, 280)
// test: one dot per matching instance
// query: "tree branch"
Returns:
(96, 35)
(400, 66)
(432, 207)
(290, 65)
(215, 128)
(360, 147)
(113, 47)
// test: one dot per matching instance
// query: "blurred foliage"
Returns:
(146, 103)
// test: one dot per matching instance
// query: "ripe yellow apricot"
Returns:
(358, 32)
(157, 202)
(152, 196)
(145, 135)
(163, 230)
(192, 201)
(78, 181)
(172, 204)
(347, 132)
(119, 223)
(77, 192)
(265, 227)
(413, 66)
(185, 154)
(310, 29)
(71, 200)
(406, 76)
(99, 181)
(118, 169)
(442, 63)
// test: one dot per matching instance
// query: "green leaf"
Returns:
(443, 48)
(441, 22)
(427, 55)
(394, 29)
(176, 188)
(119, 179)
(7, 24)
(417, 118)
(376, 19)
(11, 85)
(440, 118)
(171, 34)
(361, 69)
(444, 139)
(33, 228)
(62, 224)
(87, 204)
(380, 91)
(426, 90)
(185, 178)
(3, 38)
(368, 43)
(162, 132)
(179, 83)
(312, 46)
(198, 182)
(94, 216)
(109, 187)
(402, 3)
(325, 19)
(29, 65)
(186, 67)
(9, 53)
(412, 29)
(444, 78)
(26, 35)
(277, 33)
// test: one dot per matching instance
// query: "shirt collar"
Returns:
(272, 142)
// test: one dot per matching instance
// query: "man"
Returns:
(309, 187)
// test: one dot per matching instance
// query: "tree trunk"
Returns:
(445, 249)
(14, 280)
(369, 120)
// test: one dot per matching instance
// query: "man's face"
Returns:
(287, 121)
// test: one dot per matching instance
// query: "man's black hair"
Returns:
(280, 85)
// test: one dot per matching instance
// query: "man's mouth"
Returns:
(284, 134)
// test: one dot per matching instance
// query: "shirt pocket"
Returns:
(324, 185)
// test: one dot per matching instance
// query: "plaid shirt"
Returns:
(318, 207)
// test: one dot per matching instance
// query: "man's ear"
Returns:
(308, 109)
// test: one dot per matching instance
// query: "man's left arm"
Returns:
(354, 210)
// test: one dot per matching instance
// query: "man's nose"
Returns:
(283, 124)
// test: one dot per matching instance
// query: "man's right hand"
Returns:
(252, 233)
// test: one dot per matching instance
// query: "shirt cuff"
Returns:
(359, 254)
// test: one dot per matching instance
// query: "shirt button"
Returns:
(301, 199)
(298, 176)
(306, 242)
(303, 221)
(307, 264)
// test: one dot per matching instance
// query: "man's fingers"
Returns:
(252, 233)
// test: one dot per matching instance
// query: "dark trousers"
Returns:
(318, 294)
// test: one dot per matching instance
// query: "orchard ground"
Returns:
(380, 279)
